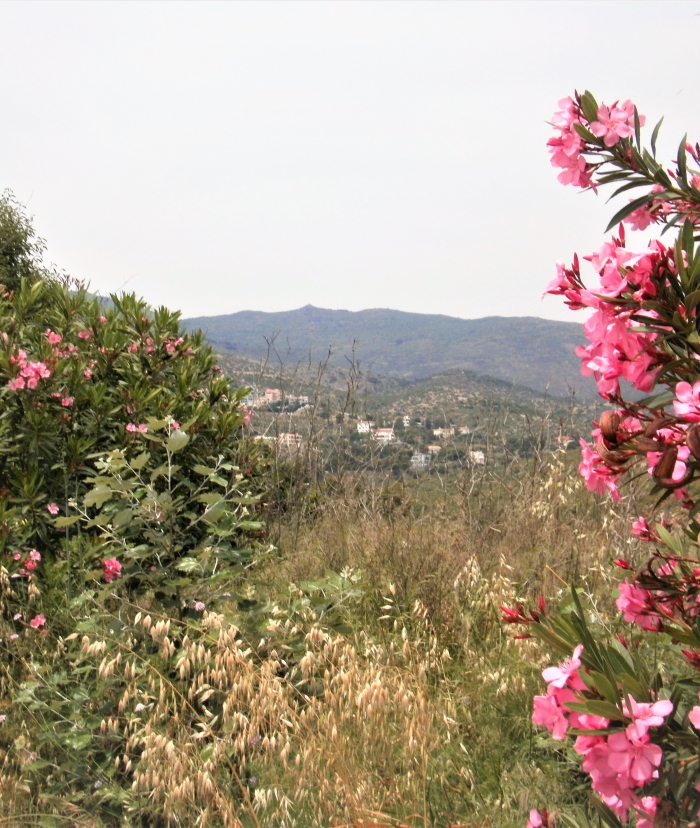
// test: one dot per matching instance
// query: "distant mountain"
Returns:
(537, 353)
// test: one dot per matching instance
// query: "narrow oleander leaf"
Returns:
(654, 136)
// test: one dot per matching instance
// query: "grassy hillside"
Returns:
(538, 353)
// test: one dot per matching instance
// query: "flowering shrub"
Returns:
(631, 704)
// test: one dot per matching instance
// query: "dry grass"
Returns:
(401, 702)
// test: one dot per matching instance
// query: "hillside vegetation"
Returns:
(538, 353)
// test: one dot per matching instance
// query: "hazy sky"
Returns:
(218, 157)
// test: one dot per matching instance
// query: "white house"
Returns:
(421, 461)
(443, 432)
(406, 421)
(364, 427)
(383, 435)
(476, 458)
(289, 439)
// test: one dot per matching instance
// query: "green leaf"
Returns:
(597, 708)
(589, 106)
(177, 441)
(681, 159)
(98, 496)
(122, 519)
(139, 462)
(188, 565)
(203, 470)
(654, 136)
(66, 521)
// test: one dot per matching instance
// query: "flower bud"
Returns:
(655, 425)
(664, 468)
(693, 441)
(609, 424)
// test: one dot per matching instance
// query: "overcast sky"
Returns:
(217, 157)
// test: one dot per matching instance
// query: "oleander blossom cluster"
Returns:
(626, 704)
(619, 760)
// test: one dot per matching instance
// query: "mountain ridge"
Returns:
(530, 351)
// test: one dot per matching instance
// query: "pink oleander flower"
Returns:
(640, 219)
(34, 556)
(642, 529)
(535, 820)
(67, 402)
(634, 603)
(16, 384)
(615, 123)
(687, 402)
(566, 674)
(53, 337)
(103, 319)
(83, 334)
(175, 425)
(646, 715)
(142, 427)
(37, 621)
(597, 476)
(87, 373)
(53, 508)
(636, 759)
(111, 569)
(199, 606)
(646, 809)
(549, 712)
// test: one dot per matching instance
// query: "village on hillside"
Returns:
(414, 440)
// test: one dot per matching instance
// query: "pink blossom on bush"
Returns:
(646, 715)
(597, 476)
(615, 123)
(566, 674)
(37, 621)
(53, 508)
(83, 334)
(67, 402)
(111, 569)
(53, 337)
(687, 402)
(634, 603)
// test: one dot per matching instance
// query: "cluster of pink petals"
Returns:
(598, 477)
(53, 508)
(687, 402)
(565, 148)
(142, 427)
(618, 763)
(615, 122)
(618, 345)
(111, 569)
(29, 373)
(38, 621)
(637, 606)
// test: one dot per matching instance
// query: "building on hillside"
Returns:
(301, 400)
(364, 427)
(464, 430)
(476, 458)
(443, 433)
(406, 421)
(289, 439)
(383, 435)
(272, 395)
(434, 449)
(421, 461)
